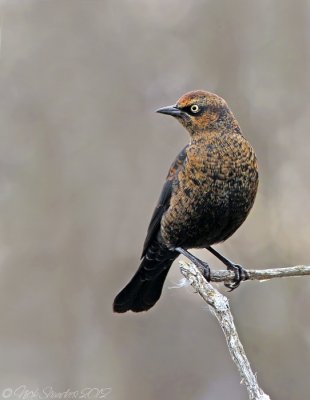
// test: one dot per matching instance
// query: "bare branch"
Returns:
(262, 274)
(219, 306)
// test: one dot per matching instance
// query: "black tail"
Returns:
(144, 289)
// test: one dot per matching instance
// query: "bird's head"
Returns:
(201, 111)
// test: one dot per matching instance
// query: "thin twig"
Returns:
(219, 306)
(262, 274)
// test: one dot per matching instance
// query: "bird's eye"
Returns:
(194, 108)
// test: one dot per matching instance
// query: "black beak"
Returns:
(170, 110)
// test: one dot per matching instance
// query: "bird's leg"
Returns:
(240, 273)
(203, 266)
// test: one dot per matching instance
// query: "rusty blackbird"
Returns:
(208, 193)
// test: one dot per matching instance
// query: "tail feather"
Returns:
(145, 288)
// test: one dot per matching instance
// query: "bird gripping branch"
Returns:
(209, 191)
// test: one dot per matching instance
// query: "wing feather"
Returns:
(164, 200)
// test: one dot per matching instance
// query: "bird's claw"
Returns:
(240, 275)
(204, 269)
(202, 266)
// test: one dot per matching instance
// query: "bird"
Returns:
(208, 193)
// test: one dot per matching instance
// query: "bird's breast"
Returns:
(212, 194)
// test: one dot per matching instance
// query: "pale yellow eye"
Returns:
(194, 108)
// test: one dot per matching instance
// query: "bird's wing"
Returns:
(164, 200)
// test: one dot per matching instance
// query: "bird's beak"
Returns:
(170, 110)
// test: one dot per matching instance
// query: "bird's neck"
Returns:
(220, 135)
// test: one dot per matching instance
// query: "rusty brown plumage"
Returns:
(208, 193)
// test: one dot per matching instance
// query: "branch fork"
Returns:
(219, 306)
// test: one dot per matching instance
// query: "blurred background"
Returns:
(82, 160)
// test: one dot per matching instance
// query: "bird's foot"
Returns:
(240, 275)
(204, 269)
(201, 265)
